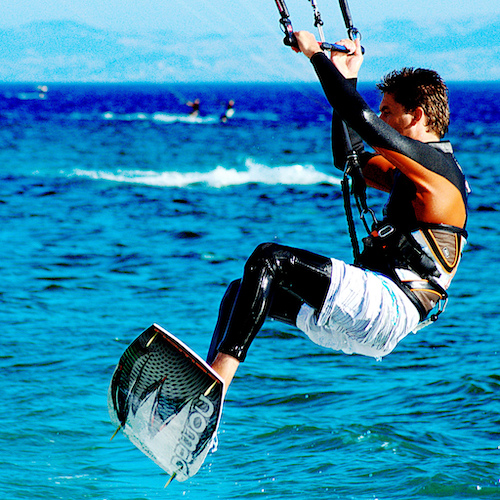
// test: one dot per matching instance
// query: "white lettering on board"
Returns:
(196, 423)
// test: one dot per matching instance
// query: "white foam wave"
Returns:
(219, 177)
(158, 117)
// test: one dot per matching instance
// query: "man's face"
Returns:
(394, 114)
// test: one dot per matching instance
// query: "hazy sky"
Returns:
(468, 53)
(208, 16)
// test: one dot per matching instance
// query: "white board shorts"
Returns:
(364, 313)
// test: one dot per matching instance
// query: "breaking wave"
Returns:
(218, 177)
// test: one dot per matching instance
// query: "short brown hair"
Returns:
(412, 88)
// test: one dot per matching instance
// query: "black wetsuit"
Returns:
(427, 192)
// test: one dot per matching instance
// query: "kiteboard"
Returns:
(167, 400)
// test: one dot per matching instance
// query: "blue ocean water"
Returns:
(118, 211)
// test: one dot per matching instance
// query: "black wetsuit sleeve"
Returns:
(352, 108)
(344, 138)
(344, 141)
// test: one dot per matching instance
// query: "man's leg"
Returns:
(225, 309)
(276, 281)
(226, 366)
(285, 307)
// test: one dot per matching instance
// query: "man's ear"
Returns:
(419, 115)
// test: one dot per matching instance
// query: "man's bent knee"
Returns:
(265, 255)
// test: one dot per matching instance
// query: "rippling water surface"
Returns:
(117, 212)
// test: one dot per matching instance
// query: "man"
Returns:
(229, 112)
(195, 108)
(408, 260)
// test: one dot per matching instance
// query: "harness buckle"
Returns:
(385, 231)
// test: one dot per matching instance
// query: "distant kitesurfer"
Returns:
(195, 108)
(410, 257)
(229, 112)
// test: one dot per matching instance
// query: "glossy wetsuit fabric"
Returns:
(276, 281)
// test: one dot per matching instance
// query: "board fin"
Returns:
(172, 477)
(151, 340)
(115, 433)
(209, 390)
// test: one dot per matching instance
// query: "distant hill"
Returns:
(65, 51)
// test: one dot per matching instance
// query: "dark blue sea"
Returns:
(117, 211)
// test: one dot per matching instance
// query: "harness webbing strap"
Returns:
(350, 221)
(352, 170)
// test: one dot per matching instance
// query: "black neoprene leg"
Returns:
(225, 309)
(276, 281)
(285, 307)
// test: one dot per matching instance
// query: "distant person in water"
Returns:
(195, 108)
(229, 112)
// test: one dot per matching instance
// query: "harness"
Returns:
(387, 249)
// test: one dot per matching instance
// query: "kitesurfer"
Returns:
(195, 108)
(410, 257)
(229, 112)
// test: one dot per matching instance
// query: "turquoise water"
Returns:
(117, 212)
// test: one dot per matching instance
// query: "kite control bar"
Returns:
(290, 39)
(287, 29)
